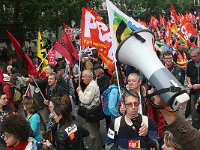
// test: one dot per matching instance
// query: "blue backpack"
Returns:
(105, 100)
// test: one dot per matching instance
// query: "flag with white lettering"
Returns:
(96, 33)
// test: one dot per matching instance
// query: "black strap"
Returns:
(170, 89)
(137, 36)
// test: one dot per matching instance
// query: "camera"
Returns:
(137, 122)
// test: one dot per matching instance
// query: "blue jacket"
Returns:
(114, 98)
(34, 122)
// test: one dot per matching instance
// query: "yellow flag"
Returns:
(174, 29)
(41, 53)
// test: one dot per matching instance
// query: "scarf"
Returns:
(21, 146)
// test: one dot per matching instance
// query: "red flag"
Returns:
(1, 76)
(65, 47)
(162, 20)
(181, 19)
(65, 27)
(186, 31)
(154, 22)
(28, 64)
(143, 23)
(94, 13)
(168, 37)
(95, 33)
(173, 15)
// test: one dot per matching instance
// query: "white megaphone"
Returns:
(138, 50)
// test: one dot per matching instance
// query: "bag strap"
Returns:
(145, 120)
(169, 89)
(117, 123)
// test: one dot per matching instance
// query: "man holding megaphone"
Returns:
(168, 87)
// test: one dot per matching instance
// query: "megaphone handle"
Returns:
(137, 36)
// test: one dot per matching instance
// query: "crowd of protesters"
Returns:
(42, 112)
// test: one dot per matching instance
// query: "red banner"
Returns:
(154, 22)
(162, 20)
(168, 37)
(173, 15)
(1, 76)
(28, 64)
(94, 32)
(186, 31)
(65, 47)
(143, 23)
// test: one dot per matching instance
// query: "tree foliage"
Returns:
(22, 16)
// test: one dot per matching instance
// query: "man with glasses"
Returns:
(193, 83)
(171, 65)
(133, 130)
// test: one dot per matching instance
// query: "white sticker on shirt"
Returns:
(37, 90)
(71, 129)
(111, 133)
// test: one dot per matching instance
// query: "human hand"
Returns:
(143, 130)
(196, 86)
(46, 144)
(78, 89)
(46, 102)
(189, 86)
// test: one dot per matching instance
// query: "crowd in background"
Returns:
(41, 112)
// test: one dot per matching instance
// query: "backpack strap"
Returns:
(117, 123)
(145, 120)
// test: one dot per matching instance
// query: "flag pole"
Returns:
(27, 89)
(79, 67)
(117, 77)
(38, 87)
(44, 59)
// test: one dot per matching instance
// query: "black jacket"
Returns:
(103, 83)
(57, 91)
(63, 140)
(43, 84)
(193, 71)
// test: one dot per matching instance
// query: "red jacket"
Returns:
(157, 117)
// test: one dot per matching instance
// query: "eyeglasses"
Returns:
(168, 58)
(132, 104)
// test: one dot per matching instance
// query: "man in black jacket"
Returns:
(193, 83)
(53, 89)
(103, 81)
(101, 78)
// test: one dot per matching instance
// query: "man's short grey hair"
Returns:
(89, 73)
(130, 93)
(195, 50)
(139, 75)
